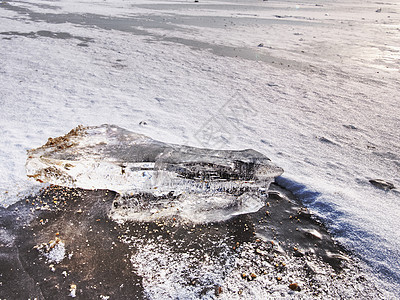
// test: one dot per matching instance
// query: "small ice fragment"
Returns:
(72, 291)
(313, 233)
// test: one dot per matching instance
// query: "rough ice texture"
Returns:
(155, 179)
(198, 207)
(109, 157)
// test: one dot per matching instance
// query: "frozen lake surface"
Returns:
(312, 85)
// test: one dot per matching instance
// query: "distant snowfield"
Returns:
(314, 87)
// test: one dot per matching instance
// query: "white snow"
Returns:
(193, 73)
(166, 275)
(54, 251)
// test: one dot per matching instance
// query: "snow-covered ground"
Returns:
(313, 85)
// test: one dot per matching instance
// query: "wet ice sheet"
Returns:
(250, 256)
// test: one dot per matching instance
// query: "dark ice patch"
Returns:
(136, 24)
(100, 254)
(382, 184)
(48, 34)
(352, 127)
(388, 155)
(327, 141)
(94, 260)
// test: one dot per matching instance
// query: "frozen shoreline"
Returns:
(332, 127)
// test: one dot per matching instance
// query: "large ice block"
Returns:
(222, 182)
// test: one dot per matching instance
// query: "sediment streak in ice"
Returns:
(152, 177)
